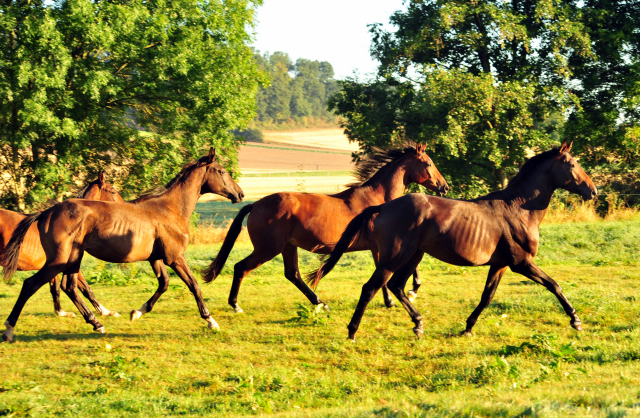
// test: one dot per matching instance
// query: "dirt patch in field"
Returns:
(258, 158)
(322, 138)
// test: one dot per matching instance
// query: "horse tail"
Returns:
(12, 252)
(358, 227)
(211, 272)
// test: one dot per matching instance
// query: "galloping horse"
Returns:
(282, 222)
(32, 256)
(500, 229)
(154, 227)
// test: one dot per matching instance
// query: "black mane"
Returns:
(531, 165)
(380, 157)
(160, 190)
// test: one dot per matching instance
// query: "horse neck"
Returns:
(183, 195)
(532, 194)
(388, 183)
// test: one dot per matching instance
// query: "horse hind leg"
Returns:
(369, 289)
(86, 291)
(292, 273)
(29, 287)
(163, 284)
(386, 295)
(54, 288)
(413, 293)
(244, 267)
(397, 284)
(70, 287)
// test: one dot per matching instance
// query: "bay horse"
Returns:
(155, 227)
(500, 230)
(283, 222)
(32, 256)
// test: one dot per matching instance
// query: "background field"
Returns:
(282, 358)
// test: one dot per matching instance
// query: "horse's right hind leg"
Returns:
(397, 283)
(163, 284)
(292, 273)
(369, 290)
(54, 288)
(85, 289)
(70, 287)
(386, 295)
(29, 287)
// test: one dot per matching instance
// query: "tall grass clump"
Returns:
(212, 233)
(566, 208)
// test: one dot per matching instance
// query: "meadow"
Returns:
(284, 358)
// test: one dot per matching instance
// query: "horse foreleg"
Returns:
(292, 273)
(54, 288)
(533, 272)
(70, 287)
(182, 270)
(493, 280)
(397, 283)
(369, 290)
(413, 293)
(29, 287)
(85, 289)
(163, 284)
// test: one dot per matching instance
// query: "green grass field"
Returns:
(281, 357)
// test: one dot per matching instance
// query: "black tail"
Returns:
(211, 272)
(358, 227)
(12, 252)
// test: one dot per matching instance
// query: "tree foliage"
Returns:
(136, 87)
(487, 82)
(297, 90)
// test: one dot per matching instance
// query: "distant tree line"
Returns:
(298, 93)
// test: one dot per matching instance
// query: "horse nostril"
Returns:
(445, 189)
(594, 193)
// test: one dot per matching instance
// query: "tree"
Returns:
(136, 87)
(487, 82)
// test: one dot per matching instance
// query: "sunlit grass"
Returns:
(281, 357)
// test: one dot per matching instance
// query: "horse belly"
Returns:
(468, 242)
(126, 248)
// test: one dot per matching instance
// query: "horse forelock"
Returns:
(379, 158)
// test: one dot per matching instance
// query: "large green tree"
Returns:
(137, 87)
(487, 82)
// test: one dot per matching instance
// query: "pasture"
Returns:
(283, 358)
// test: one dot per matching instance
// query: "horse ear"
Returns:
(212, 155)
(566, 147)
(101, 177)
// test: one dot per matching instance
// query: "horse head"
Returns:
(567, 174)
(218, 180)
(420, 169)
(101, 190)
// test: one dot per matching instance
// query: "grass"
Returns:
(283, 358)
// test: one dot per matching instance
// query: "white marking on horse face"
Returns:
(211, 323)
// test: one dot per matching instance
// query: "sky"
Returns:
(330, 30)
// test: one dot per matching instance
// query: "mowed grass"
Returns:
(281, 357)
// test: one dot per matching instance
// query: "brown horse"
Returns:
(282, 222)
(154, 227)
(500, 229)
(32, 256)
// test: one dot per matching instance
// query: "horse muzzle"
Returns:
(235, 198)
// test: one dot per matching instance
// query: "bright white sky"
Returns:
(329, 30)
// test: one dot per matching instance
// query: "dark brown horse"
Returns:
(499, 230)
(283, 222)
(154, 227)
(32, 256)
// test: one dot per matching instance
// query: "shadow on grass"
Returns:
(78, 336)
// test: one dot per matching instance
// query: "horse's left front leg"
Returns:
(292, 273)
(533, 272)
(182, 270)
(85, 289)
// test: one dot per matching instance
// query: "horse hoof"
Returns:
(211, 323)
(577, 325)
(8, 337)
(412, 295)
(466, 333)
(352, 338)
(418, 331)
(238, 309)
(113, 314)
(135, 315)
(100, 330)
(326, 307)
(64, 314)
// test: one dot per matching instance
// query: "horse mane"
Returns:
(83, 190)
(160, 190)
(531, 165)
(371, 164)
